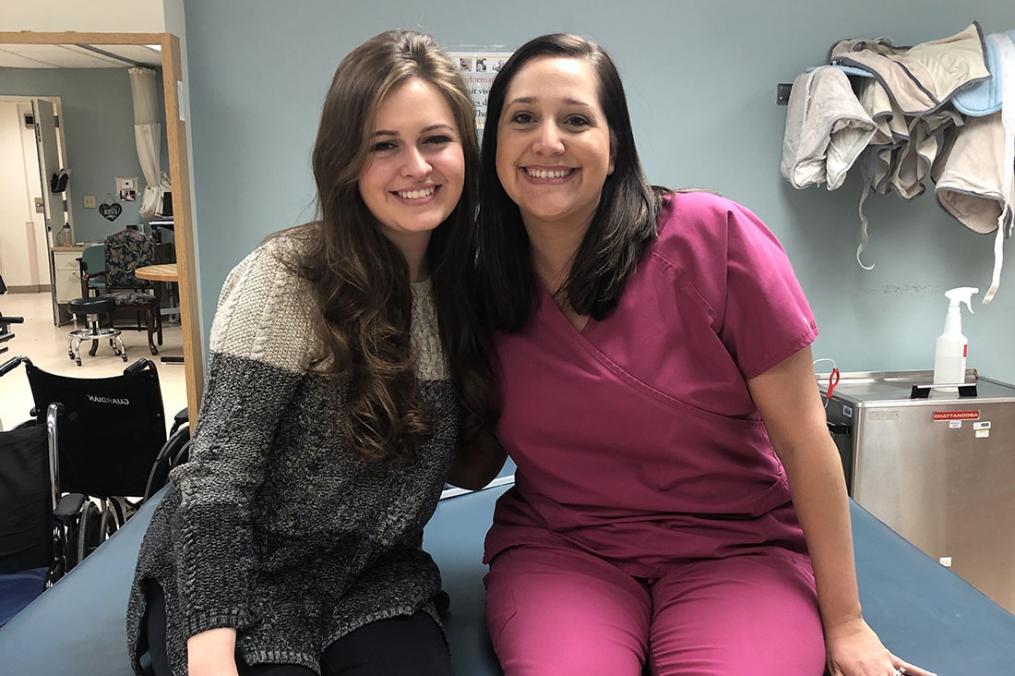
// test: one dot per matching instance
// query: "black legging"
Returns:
(400, 645)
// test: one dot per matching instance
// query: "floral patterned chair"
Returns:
(126, 251)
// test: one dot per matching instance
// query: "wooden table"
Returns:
(157, 273)
(165, 273)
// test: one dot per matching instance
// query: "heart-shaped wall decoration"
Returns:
(110, 211)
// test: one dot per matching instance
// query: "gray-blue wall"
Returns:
(98, 121)
(700, 79)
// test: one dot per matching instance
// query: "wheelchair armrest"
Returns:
(139, 366)
(87, 277)
(179, 420)
(69, 506)
(12, 364)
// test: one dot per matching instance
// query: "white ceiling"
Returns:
(78, 56)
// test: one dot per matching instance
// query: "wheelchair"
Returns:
(104, 442)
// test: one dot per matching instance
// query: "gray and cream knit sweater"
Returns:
(276, 527)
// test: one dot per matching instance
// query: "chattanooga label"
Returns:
(956, 415)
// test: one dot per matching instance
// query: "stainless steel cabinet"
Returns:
(940, 470)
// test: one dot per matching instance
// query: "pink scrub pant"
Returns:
(562, 612)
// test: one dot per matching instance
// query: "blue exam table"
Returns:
(923, 612)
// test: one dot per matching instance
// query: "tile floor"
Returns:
(46, 346)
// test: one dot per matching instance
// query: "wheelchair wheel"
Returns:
(89, 531)
(108, 524)
(117, 511)
(175, 452)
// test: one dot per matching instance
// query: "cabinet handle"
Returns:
(835, 429)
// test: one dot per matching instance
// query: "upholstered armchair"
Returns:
(126, 251)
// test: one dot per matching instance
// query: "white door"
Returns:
(49, 163)
(54, 204)
(24, 247)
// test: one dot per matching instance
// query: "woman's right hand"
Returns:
(212, 653)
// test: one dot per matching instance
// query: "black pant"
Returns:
(400, 645)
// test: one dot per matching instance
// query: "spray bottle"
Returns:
(951, 348)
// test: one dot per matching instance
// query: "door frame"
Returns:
(184, 232)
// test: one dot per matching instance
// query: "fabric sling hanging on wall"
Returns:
(148, 136)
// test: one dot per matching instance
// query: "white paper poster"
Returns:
(479, 69)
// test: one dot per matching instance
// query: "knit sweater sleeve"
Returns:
(260, 350)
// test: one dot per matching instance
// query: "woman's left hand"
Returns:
(855, 650)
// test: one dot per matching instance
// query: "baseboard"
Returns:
(29, 288)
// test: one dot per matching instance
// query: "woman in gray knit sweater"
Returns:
(343, 355)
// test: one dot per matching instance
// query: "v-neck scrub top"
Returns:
(636, 438)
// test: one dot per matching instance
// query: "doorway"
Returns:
(23, 239)
(44, 46)
(33, 218)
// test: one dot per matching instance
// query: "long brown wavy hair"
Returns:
(360, 280)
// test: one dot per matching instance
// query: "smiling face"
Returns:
(415, 171)
(553, 143)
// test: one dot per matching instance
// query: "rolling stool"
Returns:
(92, 308)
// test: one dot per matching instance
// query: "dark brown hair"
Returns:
(621, 229)
(360, 280)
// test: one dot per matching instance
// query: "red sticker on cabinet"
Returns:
(956, 415)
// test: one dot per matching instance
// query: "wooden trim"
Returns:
(75, 38)
(184, 232)
(179, 172)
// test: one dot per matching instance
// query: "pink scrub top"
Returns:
(636, 438)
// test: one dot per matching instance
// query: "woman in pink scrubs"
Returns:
(678, 501)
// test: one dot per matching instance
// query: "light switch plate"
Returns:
(89, 201)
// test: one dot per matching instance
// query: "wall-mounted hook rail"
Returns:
(782, 91)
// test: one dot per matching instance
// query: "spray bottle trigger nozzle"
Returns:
(962, 294)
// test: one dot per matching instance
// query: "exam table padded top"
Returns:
(923, 612)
